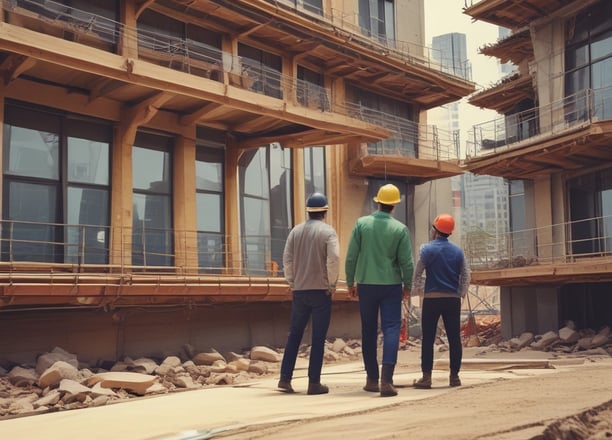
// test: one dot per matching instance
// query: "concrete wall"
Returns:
(529, 309)
(97, 335)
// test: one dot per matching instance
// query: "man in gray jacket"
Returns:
(311, 262)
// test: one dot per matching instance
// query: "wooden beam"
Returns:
(200, 113)
(14, 65)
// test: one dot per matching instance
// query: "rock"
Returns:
(50, 399)
(135, 382)
(44, 361)
(208, 358)
(20, 376)
(338, 345)
(53, 375)
(568, 334)
(261, 353)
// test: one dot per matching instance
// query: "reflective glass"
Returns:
(32, 153)
(88, 161)
(151, 169)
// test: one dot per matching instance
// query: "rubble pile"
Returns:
(567, 340)
(59, 381)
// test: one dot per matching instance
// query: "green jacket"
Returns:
(379, 252)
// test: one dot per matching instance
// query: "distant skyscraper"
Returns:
(505, 68)
(450, 50)
(485, 201)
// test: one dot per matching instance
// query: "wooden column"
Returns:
(184, 199)
(232, 209)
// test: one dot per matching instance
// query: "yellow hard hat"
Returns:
(388, 194)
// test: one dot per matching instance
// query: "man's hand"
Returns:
(353, 292)
(406, 294)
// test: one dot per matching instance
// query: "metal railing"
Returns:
(141, 249)
(574, 111)
(403, 50)
(558, 243)
(409, 139)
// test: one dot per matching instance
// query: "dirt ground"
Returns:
(573, 402)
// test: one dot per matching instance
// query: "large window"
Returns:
(56, 187)
(395, 115)
(588, 61)
(266, 206)
(314, 171)
(152, 240)
(310, 89)
(179, 45)
(261, 70)
(591, 213)
(377, 19)
(209, 202)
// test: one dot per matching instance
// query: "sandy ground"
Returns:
(505, 396)
(573, 402)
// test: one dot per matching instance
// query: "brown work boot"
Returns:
(387, 390)
(317, 388)
(454, 380)
(386, 381)
(424, 382)
(285, 386)
(371, 385)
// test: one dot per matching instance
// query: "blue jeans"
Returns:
(450, 310)
(386, 299)
(307, 304)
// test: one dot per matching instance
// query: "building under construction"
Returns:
(553, 143)
(157, 153)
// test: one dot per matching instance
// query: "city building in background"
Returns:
(552, 143)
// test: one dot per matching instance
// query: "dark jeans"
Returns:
(307, 303)
(386, 300)
(450, 310)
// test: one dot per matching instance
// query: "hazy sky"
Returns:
(485, 70)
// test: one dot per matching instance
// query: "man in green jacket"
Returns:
(379, 259)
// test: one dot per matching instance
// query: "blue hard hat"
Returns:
(317, 202)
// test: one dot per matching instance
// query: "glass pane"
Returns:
(152, 241)
(32, 153)
(87, 240)
(209, 176)
(25, 241)
(602, 46)
(211, 257)
(209, 214)
(256, 175)
(280, 200)
(151, 170)
(88, 161)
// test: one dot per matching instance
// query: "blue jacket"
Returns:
(445, 268)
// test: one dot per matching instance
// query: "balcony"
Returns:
(52, 263)
(417, 152)
(48, 44)
(394, 48)
(577, 251)
(569, 134)
(514, 15)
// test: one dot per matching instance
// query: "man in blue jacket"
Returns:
(445, 285)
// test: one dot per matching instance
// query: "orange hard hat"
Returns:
(444, 223)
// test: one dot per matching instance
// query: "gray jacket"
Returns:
(312, 256)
